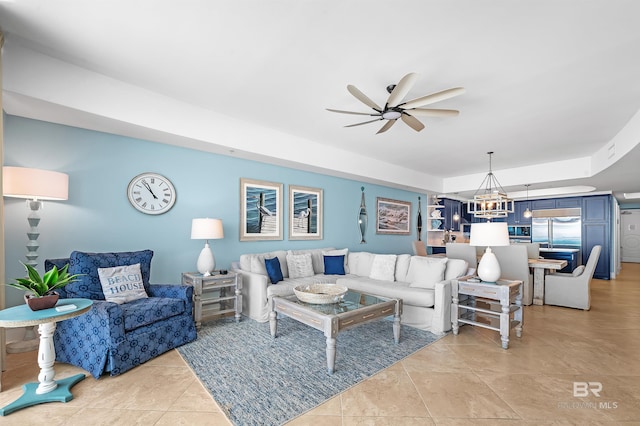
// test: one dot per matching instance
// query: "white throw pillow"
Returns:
(122, 284)
(578, 271)
(300, 265)
(342, 252)
(426, 274)
(418, 261)
(456, 268)
(402, 267)
(383, 267)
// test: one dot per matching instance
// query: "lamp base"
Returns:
(206, 262)
(489, 268)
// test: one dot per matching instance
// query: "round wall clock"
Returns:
(151, 193)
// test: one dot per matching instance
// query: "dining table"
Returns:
(540, 266)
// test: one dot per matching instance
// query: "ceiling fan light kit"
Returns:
(490, 201)
(394, 108)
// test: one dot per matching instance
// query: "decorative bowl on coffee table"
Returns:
(320, 294)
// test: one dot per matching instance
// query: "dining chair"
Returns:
(465, 252)
(419, 249)
(572, 290)
(514, 265)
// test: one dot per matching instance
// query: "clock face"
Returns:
(151, 193)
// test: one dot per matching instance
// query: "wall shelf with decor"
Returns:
(435, 224)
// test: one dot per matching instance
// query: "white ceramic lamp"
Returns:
(489, 234)
(206, 229)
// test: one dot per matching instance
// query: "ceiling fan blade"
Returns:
(426, 112)
(386, 126)
(401, 89)
(350, 112)
(433, 98)
(362, 97)
(364, 122)
(412, 122)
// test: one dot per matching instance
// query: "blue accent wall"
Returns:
(98, 217)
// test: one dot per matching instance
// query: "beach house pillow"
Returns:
(300, 265)
(424, 273)
(344, 252)
(122, 284)
(578, 271)
(334, 265)
(273, 270)
(383, 267)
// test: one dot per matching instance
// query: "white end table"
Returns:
(48, 389)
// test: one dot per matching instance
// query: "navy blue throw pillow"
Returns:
(334, 265)
(273, 270)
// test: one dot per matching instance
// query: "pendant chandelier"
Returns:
(490, 200)
(527, 213)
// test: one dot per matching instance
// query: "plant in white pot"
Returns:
(40, 291)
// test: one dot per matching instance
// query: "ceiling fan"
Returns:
(395, 108)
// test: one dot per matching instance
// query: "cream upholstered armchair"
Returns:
(572, 290)
(514, 264)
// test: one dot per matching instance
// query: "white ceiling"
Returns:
(551, 86)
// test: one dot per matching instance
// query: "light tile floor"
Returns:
(459, 380)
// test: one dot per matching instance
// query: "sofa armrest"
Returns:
(254, 294)
(441, 322)
(173, 291)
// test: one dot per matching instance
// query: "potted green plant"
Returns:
(40, 291)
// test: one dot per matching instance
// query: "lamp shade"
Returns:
(24, 182)
(489, 234)
(206, 229)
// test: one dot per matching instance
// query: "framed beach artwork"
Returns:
(260, 210)
(393, 217)
(305, 213)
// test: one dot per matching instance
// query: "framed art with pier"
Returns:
(260, 210)
(305, 213)
(393, 217)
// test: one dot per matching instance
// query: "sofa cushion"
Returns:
(360, 263)
(273, 270)
(425, 272)
(341, 252)
(456, 268)
(402, 266)
(317, 259)
(142, 312)
(383, 267)
(122, 284)
(413, 296)
(300, 265)
(88, 285)
(255, 262)
(334, 265)
(418, 262)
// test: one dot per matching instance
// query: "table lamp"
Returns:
(489, 234)
(34, 185)
(206, 229)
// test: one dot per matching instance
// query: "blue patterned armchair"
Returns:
(115, 337)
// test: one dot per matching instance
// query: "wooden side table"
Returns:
(501, 316)
(214, 295)
(48, 389)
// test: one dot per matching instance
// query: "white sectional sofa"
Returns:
(423, 283)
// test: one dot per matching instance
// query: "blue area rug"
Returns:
(258, 380)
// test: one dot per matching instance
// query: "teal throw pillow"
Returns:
(273, 270)
(334, 265)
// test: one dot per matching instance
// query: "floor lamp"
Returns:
(34, 185)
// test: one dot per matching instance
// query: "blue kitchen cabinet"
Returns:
(596, 230)
(451, 207)
(543, 204)
(517, 217)
(569, 202)
(572, 258)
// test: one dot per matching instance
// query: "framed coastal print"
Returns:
(260, 210)
(393, 217)
(305, 213)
